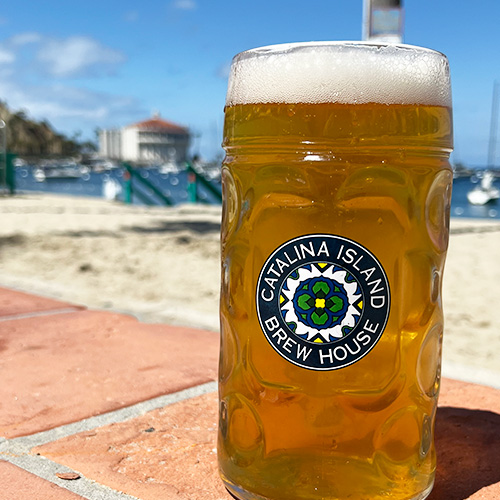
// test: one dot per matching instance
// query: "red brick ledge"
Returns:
(51, 363)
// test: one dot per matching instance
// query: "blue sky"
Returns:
(109, 63)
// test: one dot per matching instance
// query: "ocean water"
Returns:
(175, 186)
(460, 206)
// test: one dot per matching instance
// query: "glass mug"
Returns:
(336, 186)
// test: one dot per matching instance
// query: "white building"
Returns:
(151, 141)
(110, 144)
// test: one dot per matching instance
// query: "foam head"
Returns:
(343, 72)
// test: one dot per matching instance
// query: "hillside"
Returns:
(28, 137)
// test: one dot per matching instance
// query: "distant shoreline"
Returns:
(175, 186)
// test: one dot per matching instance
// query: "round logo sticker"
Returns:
(322, 301)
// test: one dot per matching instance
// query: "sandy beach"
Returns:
(162, 265)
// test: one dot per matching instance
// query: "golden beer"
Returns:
(336, 189)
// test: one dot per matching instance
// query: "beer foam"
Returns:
(343, 72)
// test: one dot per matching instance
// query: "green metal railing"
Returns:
(132, 176)
(7, 177)
(136, 185)
(194, 178)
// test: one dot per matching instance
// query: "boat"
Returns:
(66, 170)
(39, 174)
(169, 167)
(101, 165)
(485, 192)
(111, 189)
(209, 170)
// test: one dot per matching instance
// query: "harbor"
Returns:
(175, 183)
(152, 185)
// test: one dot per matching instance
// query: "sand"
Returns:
(162, 265)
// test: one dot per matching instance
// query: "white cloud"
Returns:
(6, 56)
(35, 76)
(78, 56)
(223, 70)
(25, 38)
(71, 108)
(74, 56)
(184, 4)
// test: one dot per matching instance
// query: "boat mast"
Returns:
(492, 146)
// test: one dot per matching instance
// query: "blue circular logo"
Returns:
(322, 301)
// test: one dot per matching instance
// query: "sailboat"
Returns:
(485, 192)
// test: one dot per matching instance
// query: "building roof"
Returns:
(157, 124)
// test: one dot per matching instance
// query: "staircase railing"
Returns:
(195, 178)
(132, 176)
(136, 185)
